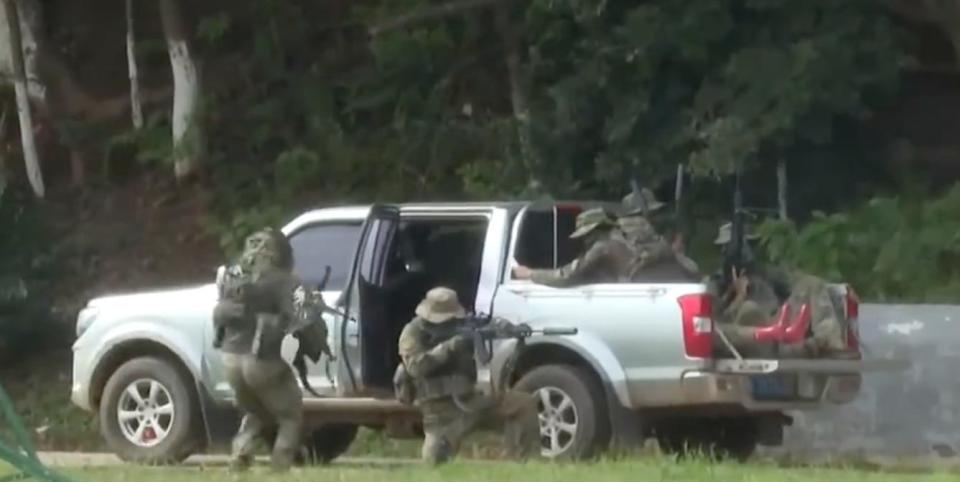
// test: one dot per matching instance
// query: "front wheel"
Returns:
(149, 412)
(571, 409)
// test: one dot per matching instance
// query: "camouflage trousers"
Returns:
(446, 422)
(271, 401)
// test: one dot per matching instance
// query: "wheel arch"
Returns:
(127, 350)
(541, 354)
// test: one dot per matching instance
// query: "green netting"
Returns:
(18, 451)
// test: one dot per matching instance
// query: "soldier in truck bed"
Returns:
(607, 256)
(655, 259)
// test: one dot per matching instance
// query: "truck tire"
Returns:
(573, 415)
(149, 412)
(717, 439)
(328, 442)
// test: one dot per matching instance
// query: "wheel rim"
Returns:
(559, 421)
(145, 412)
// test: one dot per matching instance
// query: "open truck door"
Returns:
(360, 345)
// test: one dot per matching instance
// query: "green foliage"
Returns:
(637, 88)
(149, 145)
(889, 248)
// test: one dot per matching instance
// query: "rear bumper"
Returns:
(698, 388)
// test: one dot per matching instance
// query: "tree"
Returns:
(136, 104)
(629, 89)
(30, 157)
(187, 125)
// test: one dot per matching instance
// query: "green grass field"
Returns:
(646, 469)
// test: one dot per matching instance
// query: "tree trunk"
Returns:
(31, 33)
(187, 131)
(782, 188)
(518, 93)
(30, 157)
(136, 106)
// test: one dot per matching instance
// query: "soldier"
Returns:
(635, 222)
(253, 316)
(655, 259)
(751, 299)
(444, 372)
(606, 258)
(755, 297)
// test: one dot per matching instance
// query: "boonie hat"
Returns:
(589, 220)
(440, 305)
(640, 203)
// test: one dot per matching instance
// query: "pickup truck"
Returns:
(641, 365)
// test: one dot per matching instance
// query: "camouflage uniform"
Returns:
(445, 374)
(655, 259)
(606, 259)
(253, 324)
(768, 287)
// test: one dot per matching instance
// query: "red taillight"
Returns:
(853, 313)
(697, 325)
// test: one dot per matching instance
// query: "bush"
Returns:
(889, 249)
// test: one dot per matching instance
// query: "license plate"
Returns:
(773, 387)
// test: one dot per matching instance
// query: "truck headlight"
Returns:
(85, 319)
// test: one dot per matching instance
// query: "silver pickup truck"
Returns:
(641, 365)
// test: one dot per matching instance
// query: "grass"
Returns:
(635, 470)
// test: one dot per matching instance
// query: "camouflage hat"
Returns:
(440, 305)
(724, 235)
(640, 203)
(589, 220)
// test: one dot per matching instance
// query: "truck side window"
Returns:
(535, 241)
(319, 245)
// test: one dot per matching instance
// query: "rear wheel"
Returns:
(149, 412)
(571, 409)
(328, 442)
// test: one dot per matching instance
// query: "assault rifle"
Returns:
(737, 257)
(484, 329)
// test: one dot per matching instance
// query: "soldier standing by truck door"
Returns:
(444, 373)
(606, 257)
(251, 320)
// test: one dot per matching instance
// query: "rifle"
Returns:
(485, 329)
(737, 256)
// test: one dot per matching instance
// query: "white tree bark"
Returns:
(30, 157)
(31, 31)
(136, 106)
(518, 93)
(187, 133)
(782, 188)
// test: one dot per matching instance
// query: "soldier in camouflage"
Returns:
(755, 297)
(251, 319)
(655, 259)
(607, 257)
(444, 373)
